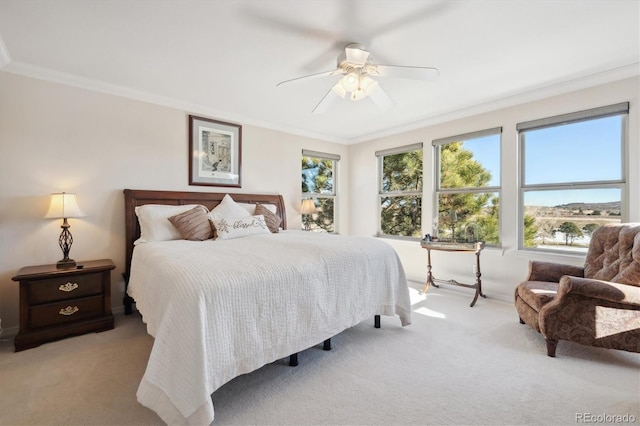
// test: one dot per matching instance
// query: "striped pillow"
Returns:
(273, 220)
(193, 224)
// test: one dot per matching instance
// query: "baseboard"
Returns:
(9, 333)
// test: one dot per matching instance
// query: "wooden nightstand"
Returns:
(57, 303)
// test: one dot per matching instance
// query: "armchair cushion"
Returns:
(537, 293)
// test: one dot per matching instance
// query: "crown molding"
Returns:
(533, 94)
(73, 80)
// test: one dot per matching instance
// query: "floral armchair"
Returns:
(596, 305)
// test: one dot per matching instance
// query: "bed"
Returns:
(223, 307)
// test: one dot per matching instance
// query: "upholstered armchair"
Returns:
(596, 305)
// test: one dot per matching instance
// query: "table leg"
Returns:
(429, 274)
(478, 284)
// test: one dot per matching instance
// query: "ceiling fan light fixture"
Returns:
(356, 54)
(339, 90)
(355, 66)
(367, 84)
(365, 88)
(357, 95)
(350, 82)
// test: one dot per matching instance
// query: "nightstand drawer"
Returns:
(61, 288)
(66, 311)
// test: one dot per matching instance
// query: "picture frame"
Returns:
(215, 152)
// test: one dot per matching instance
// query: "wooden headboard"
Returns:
(134, 198)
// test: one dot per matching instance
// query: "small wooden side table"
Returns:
(57, 303)
(455, 247)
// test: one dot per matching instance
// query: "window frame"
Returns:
(334, 194)
(438, 190)
(381, 194)
(620, 109)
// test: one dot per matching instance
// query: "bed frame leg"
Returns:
(293, 360)
(376, 321)
(127, 300)
(327, 345)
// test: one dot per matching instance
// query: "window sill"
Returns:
(558, 257)
(411, 240)
(415, 242)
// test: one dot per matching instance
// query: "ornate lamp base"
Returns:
(66, 264)
(65, 242)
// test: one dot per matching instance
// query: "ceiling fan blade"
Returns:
(412, 73)
(420, 16)
(381, 98)
(311, 76)
(356, 54)
(328, 56)
(274, 21)
(326, 102)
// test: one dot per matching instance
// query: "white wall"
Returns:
(503, 269)
(58, 138)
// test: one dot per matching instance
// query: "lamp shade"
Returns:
(62, 206)
(308, 207)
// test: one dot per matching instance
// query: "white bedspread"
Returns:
(218, 309)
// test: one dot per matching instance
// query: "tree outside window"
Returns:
(400, 191)
(318, 185)
(468, 187)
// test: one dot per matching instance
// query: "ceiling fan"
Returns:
(358, 78)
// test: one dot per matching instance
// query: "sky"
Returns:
(577, 152)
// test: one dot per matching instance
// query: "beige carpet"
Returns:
(454, 365)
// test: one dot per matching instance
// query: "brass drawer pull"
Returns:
(68, 287)
(69, 310)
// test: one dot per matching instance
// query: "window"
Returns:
(467, 182)
(400, 191)
(318, 185)
(572, 177)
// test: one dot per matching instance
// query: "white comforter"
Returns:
(218, 309)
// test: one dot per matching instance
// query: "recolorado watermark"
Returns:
(605, 418)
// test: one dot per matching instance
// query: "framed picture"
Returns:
(215, 148)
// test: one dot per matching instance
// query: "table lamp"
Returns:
(307, 209)
(64, 206)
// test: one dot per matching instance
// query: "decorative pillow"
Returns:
(229, 228)
(251, 208)
(273, 220)
(227, 209)
(193, 224)
(154, 225)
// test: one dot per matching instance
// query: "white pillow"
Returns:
(228, 209)
(155, 224)
(237, 227)
(250, 208)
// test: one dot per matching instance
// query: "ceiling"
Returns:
(223, 59)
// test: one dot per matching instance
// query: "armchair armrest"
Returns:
(597, 289)
(552, 272)
(592, 312)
